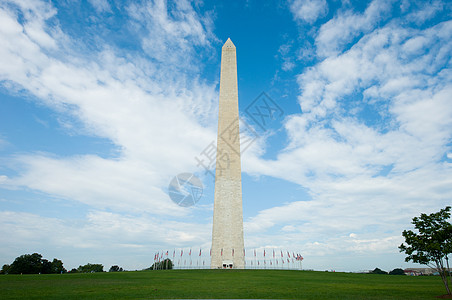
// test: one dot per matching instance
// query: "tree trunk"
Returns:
(442, 273)
(448, 271)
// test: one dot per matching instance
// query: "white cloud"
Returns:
(174, 30)
(335, 35)
(100, 5)
(376, 121)
(148, 112)
(101, 235)
(425, 11)
(309, 10)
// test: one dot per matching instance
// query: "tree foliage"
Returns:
(397, 271)
(5, 269)
(378, 271)
(90, 268)
(431, 245)
(115, 268)
(34, 264)
(165, 264)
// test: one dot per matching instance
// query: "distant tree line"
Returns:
(165, 264)
(89, 268)
(397, 271)
(35, 264)
(115, 268)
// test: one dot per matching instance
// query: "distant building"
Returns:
(421, 271)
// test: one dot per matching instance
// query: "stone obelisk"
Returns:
(227, 232)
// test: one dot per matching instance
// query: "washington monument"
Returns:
(227, 232)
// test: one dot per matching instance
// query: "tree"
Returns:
(57, 266)
(5, 269)
(34, 264)
(378, 271)
(91, 268)
(27, 264)
(165, 264)
(115, 268)
(397, 271)
(432, 245)
(46, 267)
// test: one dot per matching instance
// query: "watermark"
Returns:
(185, 189)
(262, 112)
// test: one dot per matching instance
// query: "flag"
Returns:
(181, 252)
(273, 253)
(174, 253)
(254, 252)
(189, 252)
(264, 252)
(200, 252)
(166, 252)
(281, 254)
(221, 251)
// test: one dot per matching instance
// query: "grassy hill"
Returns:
(216, 284)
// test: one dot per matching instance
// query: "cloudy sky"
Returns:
(103, 102)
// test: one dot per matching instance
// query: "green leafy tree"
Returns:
(397, 271)
(115, 268)
(46, 267)
(91, 268)
(34, 264)
(57, 266)
(378, 271)
(165, 264)
(431, 245)
(5, 269)
(27, 264)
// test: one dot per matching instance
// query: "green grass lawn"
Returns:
(205, 284)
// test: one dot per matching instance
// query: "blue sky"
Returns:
(103, 102)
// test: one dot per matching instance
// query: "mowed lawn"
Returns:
(216, 284)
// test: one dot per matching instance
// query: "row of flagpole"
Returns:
(271, 259)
